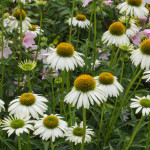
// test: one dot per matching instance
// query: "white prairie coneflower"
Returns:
(32, 104)
(22, 1)
(34, 29)
(1, 105)
(142, 104)
(64, 57)
(85, 92)
(80, 21)
(132, 29)
(133, 8)
(147, 75)
(75, 134)
(142, 55)
(13, 22)
(18, 123)
(115, 35)
(109, 84)
(51, 126)
(27, 65)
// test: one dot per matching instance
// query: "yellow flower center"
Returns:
(117, 28)
(80, 17)
(27, 99)
(65, 50)
(106, 78)
(85, 83)
(145, 102)
(51, 122)
(32, 28)
(16, 14)
(78, 131)
(136, 3)
(145, 47)
(18, 123)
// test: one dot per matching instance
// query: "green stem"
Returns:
(29, 83)
(133, 135)
(100, 125)
(2, 58)
(78, 38)
(127, 23)
(89, 35)
(112, 56)
(116, 56)
(122, 68)
(84, 128)
(41, 18)
(94, 50)
(19, 143)
(20, 52)
(148, 138)
(71, 21)
(62, 107)
(122, 105)
(52, 145)
(28, 141)
(52, 91)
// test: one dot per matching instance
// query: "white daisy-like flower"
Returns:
(80, 21)
(64, 57)
(142, 104)
(146, 2)
(142, 55)
(85, 92)
(75, 134)
(32, 104)
(133, 8)
(129, 47)
(109, 84)
(18, 123)
(115, 35)
(146, 76)
(1, 105)
(13, 22)
(132, 29)
(22, 1)
(51, 126)
(34, 29)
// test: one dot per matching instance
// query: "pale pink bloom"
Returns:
(147, 33)
(6, 50)
(108, 3)
(143, 18)
(28, 40)
(34, 54)
(136, 39)
(104, 56)
(47, 71)
(99, 50)
(85, 2)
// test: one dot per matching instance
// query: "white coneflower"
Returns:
(142, 104)
(147, 75)
(51, 126)
(34, 29)
(64, 57)
(142, 55)
(32, 104)
(80, 21)
(27, 65)
(85, 92)
(115, 35)
(13, 21)
(75, 134)
(132, 29)
(133, 8)
(129, 47)
(1, 105)
(109, 84)
(146, 2)
(18, 123)
(22, 1)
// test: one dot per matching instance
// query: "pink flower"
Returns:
(108, 3)
(85, 2)
(46, 71)
(147, 33)
(104, 56)
(136, 39)
(143, 18)
(28, 40)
